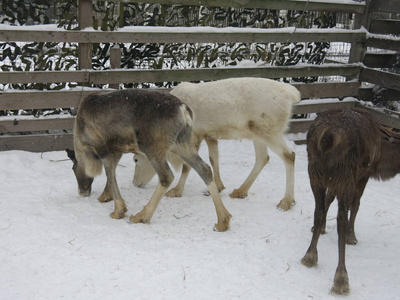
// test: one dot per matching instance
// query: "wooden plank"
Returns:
(309, 5)
(358, 49)
(85, 13)
(115, 62)
(139, 76)
(383, 42)
(385, 6)
(385, 26)
(306, 107)
(44, 76)
(67, 99)
(23, 124)
(299, 125)
(380, 60)
(381, 78)
(144, 34)
(328, 90)
(385, 95)
(382, 118)
(42, 100)
(36, 143)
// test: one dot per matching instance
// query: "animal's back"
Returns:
(341, 143)
(115, 121)
(237, 103)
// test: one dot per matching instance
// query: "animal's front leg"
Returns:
(106, 196)
(110, 165)
(145, 215)
(165, 177)
(177, 191)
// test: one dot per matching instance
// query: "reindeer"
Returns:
(150, 123)
(238, 108)
(345, 148)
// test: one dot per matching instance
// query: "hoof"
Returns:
(238, 194)
(341, 282)
(220, 189)
(340, 289)
(118, 214)
(139, 218)
(173, 193)
(285, 204)
(323, 231)
(223, 225)
(351, 240)
(104, 200)
(309, 260)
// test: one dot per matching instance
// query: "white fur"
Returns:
(238, 108)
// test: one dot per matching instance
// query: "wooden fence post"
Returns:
(358, 49)
(115, 62)
(85, 15)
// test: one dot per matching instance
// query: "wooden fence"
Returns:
(59, 136)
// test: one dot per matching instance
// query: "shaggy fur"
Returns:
(346, 148)
(238, 108)
(149, 123)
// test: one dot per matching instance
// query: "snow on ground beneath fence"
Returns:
(55, 244)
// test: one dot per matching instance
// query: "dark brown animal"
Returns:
(151, 123)
(346, 148)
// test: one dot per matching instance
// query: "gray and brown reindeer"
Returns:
(151, 123)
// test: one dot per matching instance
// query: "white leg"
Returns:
(214, 160)
(145, 215)
(279, 146)
(262, 159)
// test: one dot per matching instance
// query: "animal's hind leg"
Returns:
(279, 146)
(177, 191)
(351, 235)
(311, 257)
(106, 195)
(190, 156)
(262, 159)
(214, 160)
(341, 282)
(112, 191)
(330, 196)
(165, 177)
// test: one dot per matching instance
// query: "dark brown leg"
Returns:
(311, 257)
(341, 283)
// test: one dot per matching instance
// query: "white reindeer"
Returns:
(239, 108)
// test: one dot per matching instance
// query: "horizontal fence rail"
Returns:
(313, 5)
(140, 76)
(148, 34)
(67, 99)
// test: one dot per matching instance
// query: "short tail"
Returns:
(188, 121)
(325, 140)
(294, 95)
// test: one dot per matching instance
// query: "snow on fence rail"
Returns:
(60, 127)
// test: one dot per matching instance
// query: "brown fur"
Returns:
(345, 148)
(139, 121)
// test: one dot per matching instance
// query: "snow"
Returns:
(196, 29)
(55, 244)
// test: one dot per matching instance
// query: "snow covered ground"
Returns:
(56, 245)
